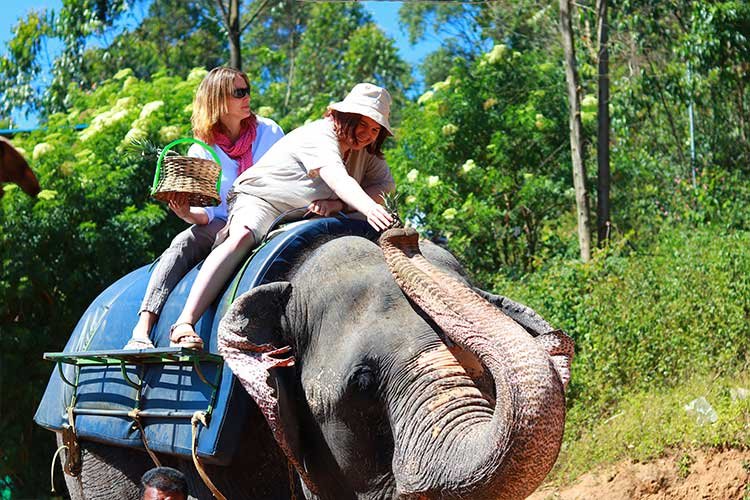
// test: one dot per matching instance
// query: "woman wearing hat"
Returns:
(328, 165)
(222, 118)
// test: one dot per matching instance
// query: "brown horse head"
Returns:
(13, 168)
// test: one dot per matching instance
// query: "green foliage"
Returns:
(20, 67)
(466, 30)
(665, 57)
(338, 47)
(57, 251)
(480, 160)
(648, 319)
(175, 36)
(75, 23)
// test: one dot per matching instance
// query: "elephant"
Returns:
(379, 372)
(13, 168)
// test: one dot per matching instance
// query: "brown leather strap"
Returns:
(200, 417)
(135, 415)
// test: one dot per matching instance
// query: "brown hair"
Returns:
(210, 103)
(345, 127)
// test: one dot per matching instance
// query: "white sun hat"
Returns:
(368, 100)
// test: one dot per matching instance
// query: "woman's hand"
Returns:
(378, 217)
(325, 207)
(179, 205)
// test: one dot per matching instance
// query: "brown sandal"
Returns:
(183, 335)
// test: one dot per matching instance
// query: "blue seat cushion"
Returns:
(107, 325)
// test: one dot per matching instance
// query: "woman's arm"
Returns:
(378, 179)
(353, 195)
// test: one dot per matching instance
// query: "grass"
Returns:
(645, 425)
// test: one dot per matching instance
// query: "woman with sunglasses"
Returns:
(326, 166)
(223, 119)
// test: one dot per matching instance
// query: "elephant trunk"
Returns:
(452, 440)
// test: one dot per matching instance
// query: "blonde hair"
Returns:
(210, 102)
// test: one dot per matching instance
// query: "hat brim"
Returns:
(348, 107)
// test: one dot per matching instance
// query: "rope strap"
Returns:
(72, 465)
(135, 415)
(200, 417)
(290, 470)
(52, 469)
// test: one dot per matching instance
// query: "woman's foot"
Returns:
(137, 344)
(183, 335)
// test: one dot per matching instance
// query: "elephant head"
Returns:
(13, 168)
(406, 382)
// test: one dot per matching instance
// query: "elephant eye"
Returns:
(362, 381)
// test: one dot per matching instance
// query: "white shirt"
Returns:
(267, 133)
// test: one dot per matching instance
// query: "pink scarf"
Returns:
(242, 149)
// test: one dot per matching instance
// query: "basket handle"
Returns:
(180, 141)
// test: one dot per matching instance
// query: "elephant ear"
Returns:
(250, 340)
(557, 343)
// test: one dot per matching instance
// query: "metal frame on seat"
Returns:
(139, 358)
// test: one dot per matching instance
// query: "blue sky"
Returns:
(385, 14)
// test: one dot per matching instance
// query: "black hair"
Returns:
(165, 479)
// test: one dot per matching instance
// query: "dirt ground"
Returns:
(686, 475)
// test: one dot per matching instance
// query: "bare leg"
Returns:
(146, 321)
(216, 270)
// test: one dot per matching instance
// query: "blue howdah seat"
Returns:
(102, 396)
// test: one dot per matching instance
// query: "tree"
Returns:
(576, 136)
(603, 177)
(234, 25)
(175, 36)
(466, 30)
(76, 22)
(337, 46)
(171, 34)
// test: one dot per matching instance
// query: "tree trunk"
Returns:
(602, 213)
(233, 30)
(576, 135)
(292, 54)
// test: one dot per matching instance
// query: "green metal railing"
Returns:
(140, 359)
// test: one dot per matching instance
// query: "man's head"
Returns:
(163, 483)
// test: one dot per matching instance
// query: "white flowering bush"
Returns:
(425, 97)
(149, 108)
(468, 166)
(265, 111)
(449, 129)
(41, 149)
(169, 133)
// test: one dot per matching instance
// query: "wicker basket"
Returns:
(197, 178)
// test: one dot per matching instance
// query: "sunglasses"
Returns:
(240, 93)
